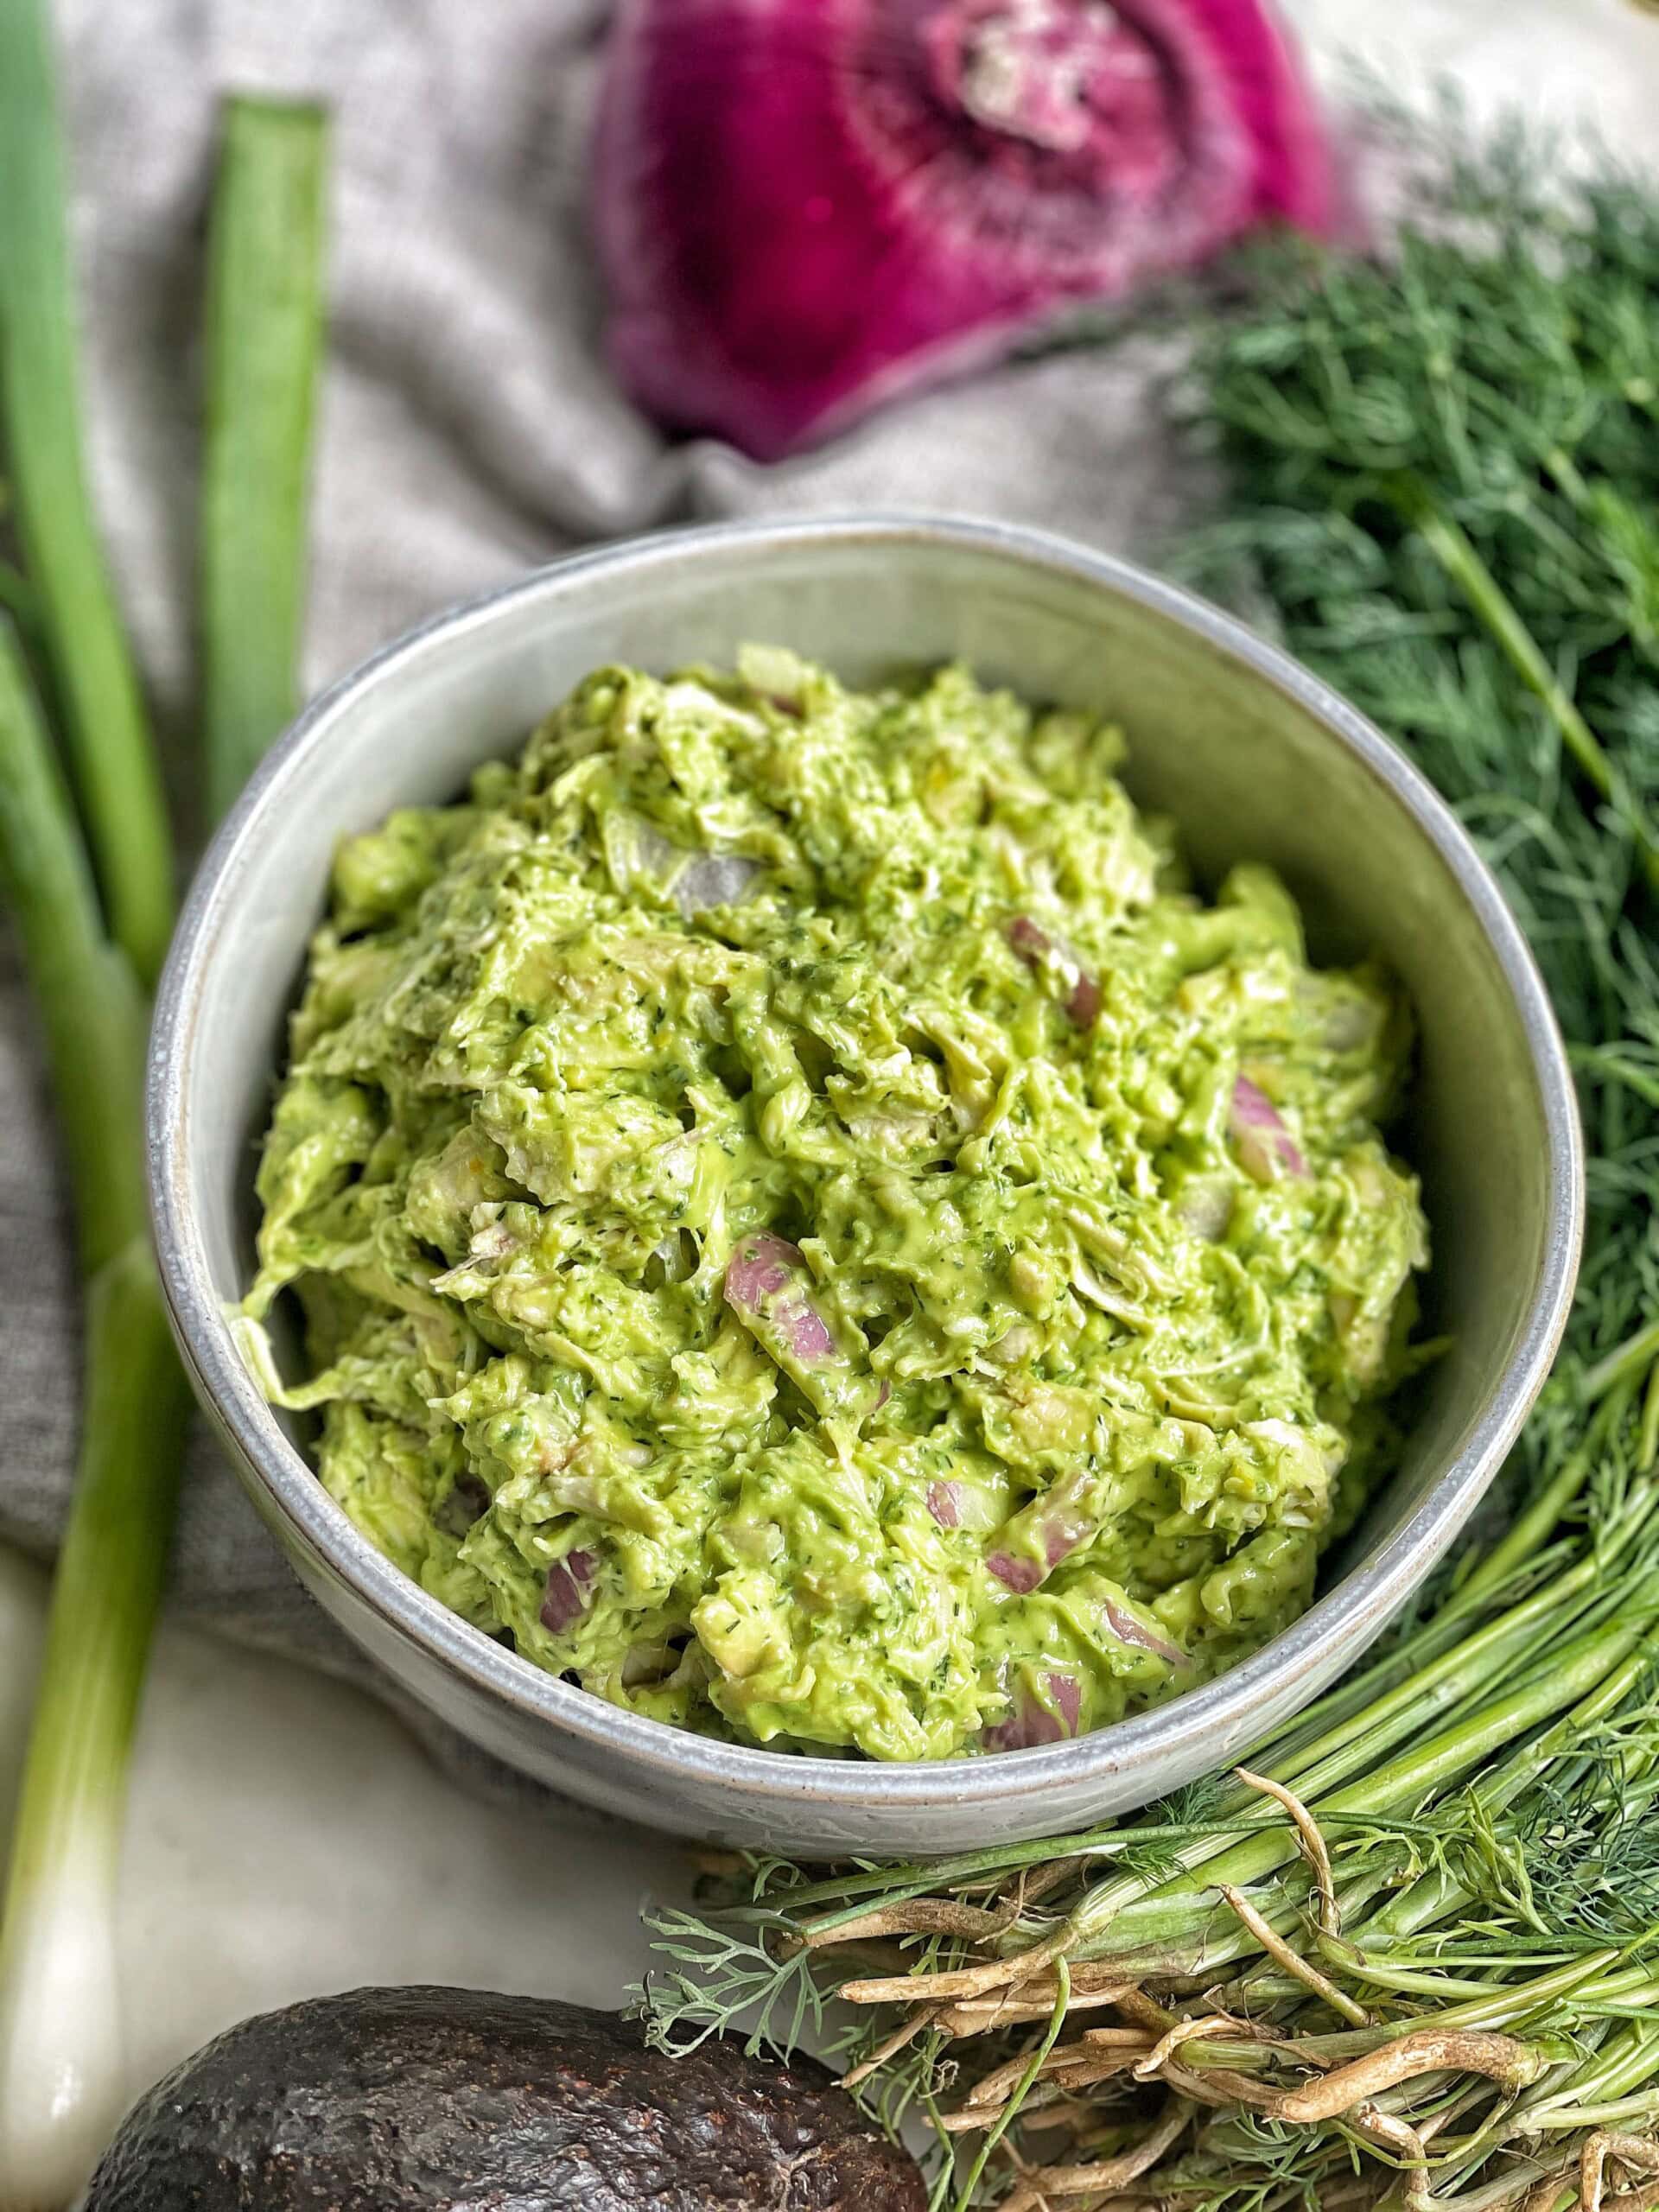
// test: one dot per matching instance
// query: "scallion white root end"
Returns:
(63, 2077)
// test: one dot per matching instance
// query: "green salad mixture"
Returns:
(807, 1223)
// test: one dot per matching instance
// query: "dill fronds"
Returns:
(1440, 485)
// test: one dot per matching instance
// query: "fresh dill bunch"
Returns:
(1496, 377)
(716, 1975)
(1439, 471)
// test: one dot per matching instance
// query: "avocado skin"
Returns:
(407, 2100)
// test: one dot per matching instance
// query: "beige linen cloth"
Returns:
(469, 431)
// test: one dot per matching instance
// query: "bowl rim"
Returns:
(1169, 1734)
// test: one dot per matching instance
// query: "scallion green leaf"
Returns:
(61, 2080)
(116, 772)
(265, 338)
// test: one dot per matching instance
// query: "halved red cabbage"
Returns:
(806, 206)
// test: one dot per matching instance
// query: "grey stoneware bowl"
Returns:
(1251, 756)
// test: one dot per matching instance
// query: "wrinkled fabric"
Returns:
(468, 431)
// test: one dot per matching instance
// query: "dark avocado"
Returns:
(407, 2100)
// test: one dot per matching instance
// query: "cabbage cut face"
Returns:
(934, 1296)
(805, 206)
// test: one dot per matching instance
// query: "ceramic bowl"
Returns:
(1252, 756)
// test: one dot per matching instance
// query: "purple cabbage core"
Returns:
(1064, 77)
(805, 206)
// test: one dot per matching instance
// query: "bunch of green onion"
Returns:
(87, 868)
(1410, 1955)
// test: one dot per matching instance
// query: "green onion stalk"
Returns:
(60, 2075)
(104, 719)
(1409, 1954)
(91, 909)
(264, 342)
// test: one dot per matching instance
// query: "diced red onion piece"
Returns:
(767, 1280)
(1129, 1629)
(1033, 945)
(1061, 1535)
(568, 1594)
(760, 1268)
(1021, 1575)
(1032, 1723)
(809, 1334)
(807, 1331)
(713, 879)
(1265, 1147)
(1206, 1208)
(1067, 1693)
(1082, 1005)
(945, 1504)
(1059, 1520)
(771, 1289)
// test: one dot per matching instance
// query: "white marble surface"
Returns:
(1593, 62)
(285, 1837)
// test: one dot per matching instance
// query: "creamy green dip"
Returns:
(807, 1223)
